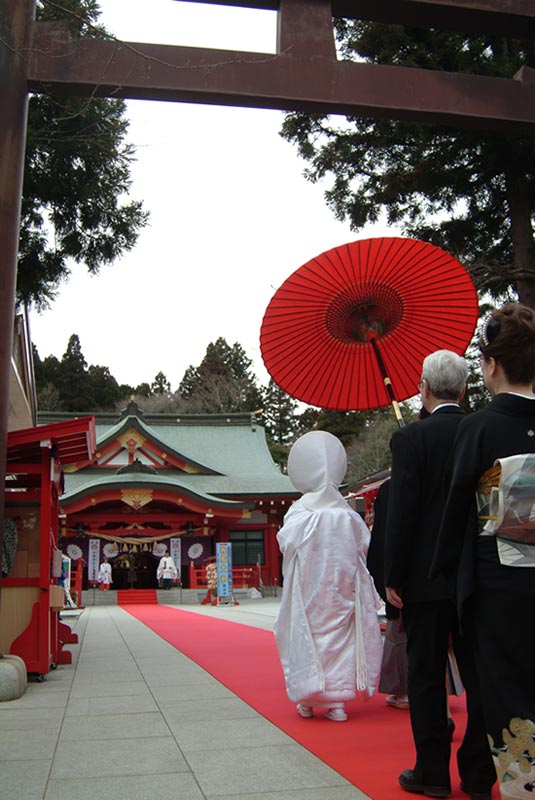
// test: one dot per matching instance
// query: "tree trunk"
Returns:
(517, 191)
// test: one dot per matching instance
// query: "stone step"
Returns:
(136, 596)
(170, 597)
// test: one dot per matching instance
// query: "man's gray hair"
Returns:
(446, 374)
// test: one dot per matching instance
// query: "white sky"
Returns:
(231, 217)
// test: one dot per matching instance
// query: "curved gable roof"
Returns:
(134, 422)
(115, 482)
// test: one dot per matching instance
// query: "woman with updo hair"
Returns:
(496, 566)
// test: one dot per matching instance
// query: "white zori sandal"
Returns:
(304, 711)
(336, 715)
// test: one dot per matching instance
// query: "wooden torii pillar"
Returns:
(14, 39)
(304, 74)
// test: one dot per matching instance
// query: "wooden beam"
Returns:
(509, 17)
(284, 81)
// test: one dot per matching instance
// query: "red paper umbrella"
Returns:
(349, 329)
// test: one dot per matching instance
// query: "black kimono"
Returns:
(496, 601)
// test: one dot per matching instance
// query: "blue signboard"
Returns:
(224, 569)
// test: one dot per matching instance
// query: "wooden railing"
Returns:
(242, 577)
(76, 581)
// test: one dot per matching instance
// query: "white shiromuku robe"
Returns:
(327, 630)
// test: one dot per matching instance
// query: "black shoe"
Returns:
(476, 795)
(408, 781)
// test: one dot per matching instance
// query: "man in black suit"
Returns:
(420, 454)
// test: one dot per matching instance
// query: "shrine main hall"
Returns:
(177, 482)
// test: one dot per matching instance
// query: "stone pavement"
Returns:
(134, 719)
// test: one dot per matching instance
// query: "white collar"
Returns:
(444, 405)
(525, 396)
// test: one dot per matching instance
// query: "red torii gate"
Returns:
(303, 74)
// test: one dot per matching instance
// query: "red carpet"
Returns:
(136, 596)
(369, 750)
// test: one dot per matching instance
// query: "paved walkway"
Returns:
(134, 719)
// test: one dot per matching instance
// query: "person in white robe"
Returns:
(327, 629)
(104, 575)
(167, 571)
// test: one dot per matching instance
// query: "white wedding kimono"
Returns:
(327, 630)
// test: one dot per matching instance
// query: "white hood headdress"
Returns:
(317, 465)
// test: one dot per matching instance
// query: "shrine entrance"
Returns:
(134, 571)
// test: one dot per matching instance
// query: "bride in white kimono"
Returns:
(327, 630)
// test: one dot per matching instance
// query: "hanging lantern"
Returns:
(134, 548)
(145, 548)
(125, 548)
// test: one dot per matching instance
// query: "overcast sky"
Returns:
(231, 217)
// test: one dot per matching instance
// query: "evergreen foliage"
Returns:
(223, 382)
(73, 381)
(104, 388)
(70, 385)
(76, 178)
(471, 192)
(143, 390)
(279, 415)
(160, 385)
(343, 424)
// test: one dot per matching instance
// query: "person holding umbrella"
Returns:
(420, 454)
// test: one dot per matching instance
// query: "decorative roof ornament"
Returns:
(136, 466)
(131, 410)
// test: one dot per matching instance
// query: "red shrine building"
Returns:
(182, 483)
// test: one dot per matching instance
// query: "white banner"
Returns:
(93, 556)
(175, 549)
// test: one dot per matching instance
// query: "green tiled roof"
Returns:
(232, 447)
(81, 483)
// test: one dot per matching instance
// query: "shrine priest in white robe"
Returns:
(327, 630)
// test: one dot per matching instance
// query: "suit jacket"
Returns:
(420, 454)
(375, 560)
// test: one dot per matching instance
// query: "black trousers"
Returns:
(429, 626)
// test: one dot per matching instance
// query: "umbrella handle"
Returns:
(387, 382)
